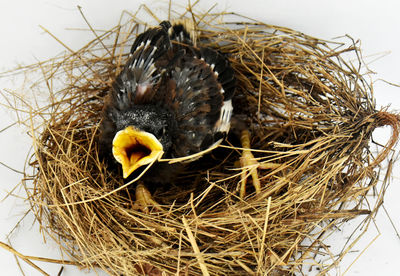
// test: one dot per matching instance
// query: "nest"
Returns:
(311, 115)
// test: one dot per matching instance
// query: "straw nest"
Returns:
(311, 115)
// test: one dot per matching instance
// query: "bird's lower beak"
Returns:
(134, 148)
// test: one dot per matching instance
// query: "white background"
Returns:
(376, 23)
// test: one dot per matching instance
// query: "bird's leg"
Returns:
(144, 200)
(250, 165)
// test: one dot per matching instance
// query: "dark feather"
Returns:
(221, 65)
(194, 96)
(138, 81)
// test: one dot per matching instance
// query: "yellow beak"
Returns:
(134, 148)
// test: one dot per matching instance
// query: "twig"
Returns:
(196, 250)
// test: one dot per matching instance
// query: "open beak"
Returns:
(134, 148)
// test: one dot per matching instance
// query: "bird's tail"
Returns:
(183, 31)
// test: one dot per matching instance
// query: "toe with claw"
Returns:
(250, 165)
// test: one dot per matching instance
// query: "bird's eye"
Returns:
(160, 132)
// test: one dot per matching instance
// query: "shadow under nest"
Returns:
(309, 113)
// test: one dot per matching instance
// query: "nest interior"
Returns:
(311, 115)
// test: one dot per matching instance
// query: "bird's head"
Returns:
(142, 138)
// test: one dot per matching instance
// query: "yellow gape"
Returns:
(134, 148)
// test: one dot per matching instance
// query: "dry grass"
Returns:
(311, 115)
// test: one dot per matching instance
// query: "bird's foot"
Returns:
(144, 200)
(250, 165)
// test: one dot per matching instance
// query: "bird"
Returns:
(171, 100)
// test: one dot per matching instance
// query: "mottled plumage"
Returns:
(172, 89)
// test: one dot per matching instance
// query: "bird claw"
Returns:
(250, 165)
(144, 199)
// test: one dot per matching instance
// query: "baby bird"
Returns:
(171, 100)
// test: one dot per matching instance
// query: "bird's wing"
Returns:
(226, 78)
(221, 66)
(199, 92)
(183, 35)
(138, 80)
